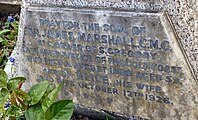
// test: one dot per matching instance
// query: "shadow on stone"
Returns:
(9, 9)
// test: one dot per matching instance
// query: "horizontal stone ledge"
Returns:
(148, 6)
(12, 2)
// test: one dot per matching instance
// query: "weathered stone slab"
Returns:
(123, 62)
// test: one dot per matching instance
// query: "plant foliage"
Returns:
(39, 103)
(8, 37)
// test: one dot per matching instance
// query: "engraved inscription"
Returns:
(102, 59)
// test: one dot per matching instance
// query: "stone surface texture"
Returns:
(184, 16)
(182, 13)
(175, 97)
(15, 2)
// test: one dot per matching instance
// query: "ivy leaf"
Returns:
(51, 97)
(3, 78)
(60, 110)
(37, 91)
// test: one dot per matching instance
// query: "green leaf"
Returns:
(13, 111)
(13, 98)
(4, 31)
(15, 24)
(37, 91)
(1, 39)
(6, 42)
(22, 95)
(35, 112)
(3, 99)
(3, 78)
(10, 36)
(22, 98)
(5, 92)
(61, 110)
(1, 59)
(14, 82)
(50, 88)
(7, 24)
(51, 97)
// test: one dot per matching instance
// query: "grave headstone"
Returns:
(119, 57)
